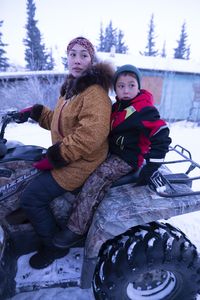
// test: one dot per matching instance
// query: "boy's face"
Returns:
(126, 87)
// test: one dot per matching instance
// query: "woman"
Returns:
(79, 128)
(137, 134)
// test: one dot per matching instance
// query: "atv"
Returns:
(129, 251)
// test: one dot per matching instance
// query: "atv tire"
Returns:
(154, 261)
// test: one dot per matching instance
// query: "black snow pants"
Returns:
(35, 201)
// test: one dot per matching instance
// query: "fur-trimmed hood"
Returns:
(100, 73)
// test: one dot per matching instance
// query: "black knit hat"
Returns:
(128, 69)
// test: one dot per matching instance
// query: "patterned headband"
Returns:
(84, 43)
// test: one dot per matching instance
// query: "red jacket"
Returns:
(137, 131)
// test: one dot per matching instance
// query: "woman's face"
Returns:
(78, 60)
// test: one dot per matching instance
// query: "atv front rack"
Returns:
(179, 184)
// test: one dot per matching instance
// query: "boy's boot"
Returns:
(46, 254)
(67, 238)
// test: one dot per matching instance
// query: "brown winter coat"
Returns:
(79, 128)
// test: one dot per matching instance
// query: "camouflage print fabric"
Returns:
(94, 191)
(14, 176)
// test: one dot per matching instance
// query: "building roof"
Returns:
(140, 61)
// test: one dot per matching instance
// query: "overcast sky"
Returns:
(61, 20)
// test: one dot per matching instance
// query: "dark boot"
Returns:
(45, 256)
(66, 239)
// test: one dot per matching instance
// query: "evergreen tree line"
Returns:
(37, 57)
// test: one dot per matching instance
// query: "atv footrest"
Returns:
(168, 185)
(177, 178)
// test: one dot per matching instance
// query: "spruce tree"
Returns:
(121, 47)
(36, 55)
(163, 52)
(3, 59)
(101, 46)
(182, 51)
(111, 37)
(150, 47)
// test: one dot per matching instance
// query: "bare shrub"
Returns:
(23, 93)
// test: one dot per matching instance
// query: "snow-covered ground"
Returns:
(183, 133)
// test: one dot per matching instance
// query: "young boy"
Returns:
(137, 134)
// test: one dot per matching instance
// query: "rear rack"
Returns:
(178, 184)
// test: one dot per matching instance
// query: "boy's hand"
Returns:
(147, 171)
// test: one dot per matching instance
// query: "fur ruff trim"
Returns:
(100, 73)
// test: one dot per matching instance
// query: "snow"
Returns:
(156, 63)
(56, 294)
(153, 63)
(26, 74)
(184, 133)
(66, 267)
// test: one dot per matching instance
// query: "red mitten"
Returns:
(23, 115)
(43, 164)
